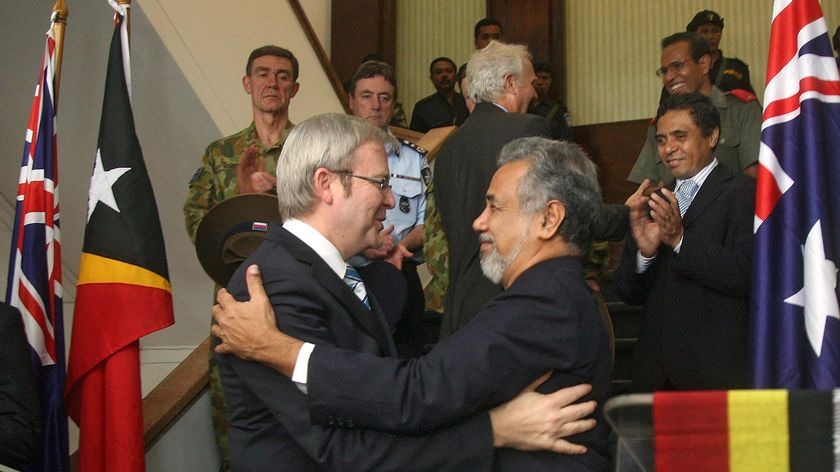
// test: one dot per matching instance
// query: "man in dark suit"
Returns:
(688, 259)
(332, 196)
(539, 216)
(20, 413)
(500, 78)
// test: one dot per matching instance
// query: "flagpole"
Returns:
(60, 12)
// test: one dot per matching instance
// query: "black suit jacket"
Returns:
(270, 428)
(547, 320)
(696, 303)
(463, 170)
(20, 420)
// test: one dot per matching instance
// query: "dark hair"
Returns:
(462, 72)
(486, 22)
(542, 67)
(372, 69)
(700, 107)
(440, 59)
(271, 50)
(699, 46)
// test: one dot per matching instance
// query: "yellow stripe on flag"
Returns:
(101, 270)
(758, 431)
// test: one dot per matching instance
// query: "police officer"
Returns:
(244, 162)
(372, 93)
(685, 64)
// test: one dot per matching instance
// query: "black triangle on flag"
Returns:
(128, 228)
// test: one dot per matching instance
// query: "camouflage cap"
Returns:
(231, 231)
(704, 17)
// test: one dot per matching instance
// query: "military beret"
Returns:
(231, 231)
(704, 17)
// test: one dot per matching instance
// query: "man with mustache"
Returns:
(686, 60)
(688, 258)
(445, 107)
(332, 198)
(540, 212)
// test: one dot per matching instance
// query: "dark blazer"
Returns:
(270, 428)
(20, 412)
(547, 320)
(463, 170)
(696, 303)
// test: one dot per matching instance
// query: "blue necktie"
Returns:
(685, 194)
(354, 281)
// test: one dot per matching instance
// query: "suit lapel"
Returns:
(708, 193)
(372, 321)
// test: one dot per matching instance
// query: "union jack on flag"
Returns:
(795, 323)
(34, 277)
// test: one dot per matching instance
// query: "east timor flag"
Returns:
(744, 431)
(123, 291)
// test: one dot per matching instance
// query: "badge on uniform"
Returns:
(405, 204)
(426, 174)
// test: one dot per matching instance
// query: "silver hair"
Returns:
(487, 69)
(562, 171)
(327, 141)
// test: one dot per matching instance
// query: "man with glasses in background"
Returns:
(685, 65)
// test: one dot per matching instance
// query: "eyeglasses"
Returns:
(382, 183)
(674, 67)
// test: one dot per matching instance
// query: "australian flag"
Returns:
(795, 324)
(34, 278)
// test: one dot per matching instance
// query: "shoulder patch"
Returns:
(743, 95)
(197, 174)
(408, 143)
(426, 175)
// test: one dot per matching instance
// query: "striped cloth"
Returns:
(746, 431)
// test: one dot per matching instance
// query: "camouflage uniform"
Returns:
(214, 181)
(436, 253)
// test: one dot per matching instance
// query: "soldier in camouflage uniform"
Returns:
(244, 162)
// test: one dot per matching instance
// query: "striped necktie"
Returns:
(354, 280)
(685, 194)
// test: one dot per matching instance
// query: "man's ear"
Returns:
(705, 63)
(510, 83)
(714, 137)
(322, 185)
(246, 84)
(551, 219)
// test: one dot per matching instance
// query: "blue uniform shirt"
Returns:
(410, 175)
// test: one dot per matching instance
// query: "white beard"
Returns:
(494, 264)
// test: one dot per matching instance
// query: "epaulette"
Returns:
(408, 143)
(743, 95)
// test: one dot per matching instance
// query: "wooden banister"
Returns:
(168, 401)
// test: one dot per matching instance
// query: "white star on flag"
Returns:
(817, 296)
(101, 183)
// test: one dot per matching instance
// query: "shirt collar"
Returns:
(700, 177)
(318, 243)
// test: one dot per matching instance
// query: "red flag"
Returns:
(34, 281)
(123, 291)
